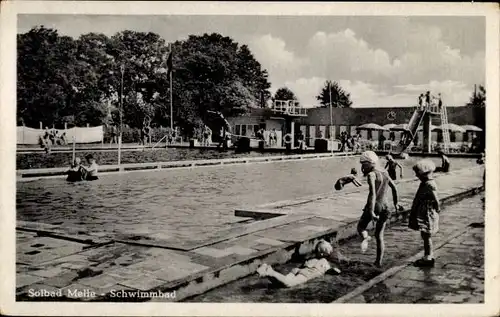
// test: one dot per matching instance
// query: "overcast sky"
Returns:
(381, 61)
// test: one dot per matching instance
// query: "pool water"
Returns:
(181, 203)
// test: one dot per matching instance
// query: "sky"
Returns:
(382, 61)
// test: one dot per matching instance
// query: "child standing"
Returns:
(376, 208)
(424, 215)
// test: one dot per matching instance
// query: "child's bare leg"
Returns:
(288, 280)
(379, 236)
(428, 254)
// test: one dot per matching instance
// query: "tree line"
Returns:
(79, 81)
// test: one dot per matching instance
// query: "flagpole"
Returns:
(331, 116)
(171, 103)
(122, 70)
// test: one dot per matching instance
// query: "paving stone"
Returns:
(37, 258)
(144, 283)
(100, 281)
(50, 272)
(25, 279)
(124, 273)
(172, 274)
(62, 280)
(212, 252)
(268, 241)
(148, 265)
(240, 250)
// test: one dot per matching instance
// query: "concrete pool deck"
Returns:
(50, 257)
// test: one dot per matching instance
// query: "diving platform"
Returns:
(289, 108)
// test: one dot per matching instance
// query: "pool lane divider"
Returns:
(291, 233)
(59, 172)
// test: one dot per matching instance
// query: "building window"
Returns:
(243, 130)
(237, 129)
(453, 137)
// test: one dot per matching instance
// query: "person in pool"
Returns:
(445, 163)
(75, 172)
(351, 178)
(92, 169)
(312, 268)
(391, 167)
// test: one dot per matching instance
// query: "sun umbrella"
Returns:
(371, 126)
(421, 127)
(451, 127)
(400, 127)
(472, 128)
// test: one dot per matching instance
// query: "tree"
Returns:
(142, 58)
(478, 98)
(340, 98)
(478, 102)
(53, 83)
(219, 76)
(284, 93)
(61, 79)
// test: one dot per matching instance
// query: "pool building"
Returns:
(320, 122)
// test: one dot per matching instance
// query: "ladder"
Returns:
(444, 127)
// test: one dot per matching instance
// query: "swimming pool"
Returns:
(181, 203)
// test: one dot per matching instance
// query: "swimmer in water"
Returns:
(75, 172)
(92, 169)
(313, 268)
(445, 163)
(391, 166)
(351, 178)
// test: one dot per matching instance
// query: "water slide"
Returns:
(408, 135)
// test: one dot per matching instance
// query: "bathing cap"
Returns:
(424, 166)
(368, 157)
(324, 247)
(389, 157)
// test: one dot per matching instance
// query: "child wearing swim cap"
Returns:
(376, 208)
(424, 215)
(312, 268)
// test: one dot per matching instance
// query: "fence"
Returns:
(27, 135)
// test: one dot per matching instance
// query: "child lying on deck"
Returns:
(313, 268)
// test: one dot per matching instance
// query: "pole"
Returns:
(331, 116)
(74, 148)
(122, 69)
(171, 102)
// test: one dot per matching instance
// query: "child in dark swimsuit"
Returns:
(341, 182)
(391, 166)
(75, 172)
(445, 163)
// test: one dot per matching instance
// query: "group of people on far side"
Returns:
(424, 217)
(426, 100)
(79, 172)
(50, 138)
